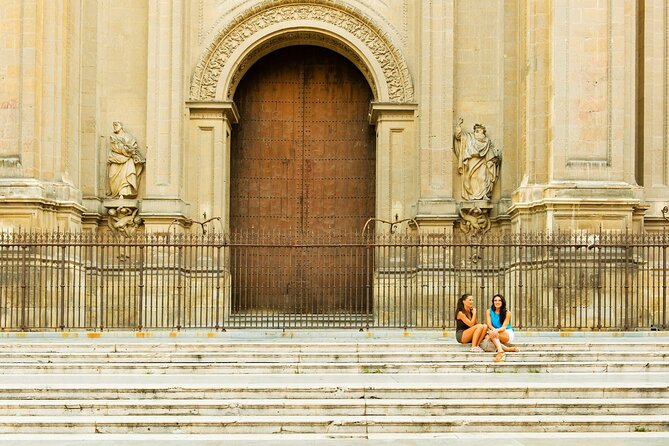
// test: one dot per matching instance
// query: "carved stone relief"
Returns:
(124, 220)
(208, 70)
(301, 37)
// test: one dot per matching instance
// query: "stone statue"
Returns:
(125, 164)
(478, 162)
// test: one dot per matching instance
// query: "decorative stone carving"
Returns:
(125, 164)
(298, 37)
(208, 70)
(124, 221)
(474, 218)
(123, 216)
(478, 162)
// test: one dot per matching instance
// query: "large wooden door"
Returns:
(302, 163)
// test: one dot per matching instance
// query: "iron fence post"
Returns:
(24, 286)
(140, 309)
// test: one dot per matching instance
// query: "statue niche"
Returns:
(479, 164)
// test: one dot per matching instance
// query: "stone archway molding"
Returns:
(321, 22)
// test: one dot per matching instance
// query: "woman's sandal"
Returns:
(500, 356)
(477, 349)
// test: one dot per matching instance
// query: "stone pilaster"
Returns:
(656, 111)
(396, 160)
(208, 161)
(580, 166)
(164, 201)
(39, 171)
(436, 205)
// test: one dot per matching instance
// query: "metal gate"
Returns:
(551, 281)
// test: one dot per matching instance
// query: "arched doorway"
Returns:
(302, 163)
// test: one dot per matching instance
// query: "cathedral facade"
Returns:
(319, 115)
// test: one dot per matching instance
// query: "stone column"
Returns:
(580, 119)
(208, 160)
(39, 59)
(164, 201)
(436, 206)
(396, 160)
(656, 112)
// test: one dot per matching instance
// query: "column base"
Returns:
(28, 204)
(582, 206)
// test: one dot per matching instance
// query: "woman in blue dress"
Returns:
(500, 331)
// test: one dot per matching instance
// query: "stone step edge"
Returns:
(487, 361)
(18, 353)
(328, 387)
(501, 420)
(640, 438)
(295, 402)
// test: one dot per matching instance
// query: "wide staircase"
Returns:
(332, 387)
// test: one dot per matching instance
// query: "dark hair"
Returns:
(461, 305)
(502, 310)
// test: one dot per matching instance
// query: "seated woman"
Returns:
(500, 331)
(466, 328)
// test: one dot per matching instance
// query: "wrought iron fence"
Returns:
(605, 281)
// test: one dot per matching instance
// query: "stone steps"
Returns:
(262, 387)
(395, 390)
(331, 439)
(351, 346)
(330, 424)
(335, 407)
(483, 366)
(149, 357)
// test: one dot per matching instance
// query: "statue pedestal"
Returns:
(123, 217)
(483, 205)
(475, 216)
(115, 203)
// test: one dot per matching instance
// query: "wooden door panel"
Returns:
(302, 160)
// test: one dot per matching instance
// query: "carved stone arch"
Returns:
(231, 78)
(273, 24)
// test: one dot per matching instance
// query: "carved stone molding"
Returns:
(293, 38)
(267, 13)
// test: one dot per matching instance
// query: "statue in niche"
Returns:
(478, 162)
(125, 164)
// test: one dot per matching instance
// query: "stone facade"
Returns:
(575, 93)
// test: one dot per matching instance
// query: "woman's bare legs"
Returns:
(468, 334)
(498, 344)
(479, 335)
(474, 334)
(504, 337)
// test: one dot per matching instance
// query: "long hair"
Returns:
(461, 305)
(502, 310)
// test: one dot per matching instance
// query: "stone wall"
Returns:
(574, 93)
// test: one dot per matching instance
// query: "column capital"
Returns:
(395, 111)
(213, 110)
